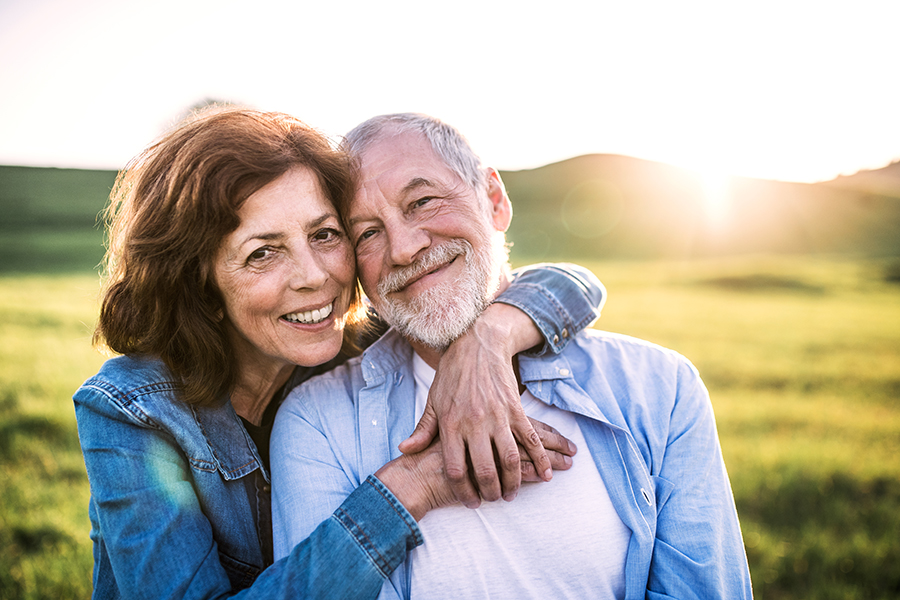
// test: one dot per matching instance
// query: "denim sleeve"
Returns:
(152, 538)
(350, 554)
(698, 551)
(561, 299)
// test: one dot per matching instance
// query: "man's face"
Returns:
(430, 249)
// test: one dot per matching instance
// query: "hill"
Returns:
(598, 206)
(48, 218)
(589, 207)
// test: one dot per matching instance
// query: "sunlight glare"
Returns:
(716, 185)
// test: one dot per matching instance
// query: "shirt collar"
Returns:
(554, 380)
(389, 354)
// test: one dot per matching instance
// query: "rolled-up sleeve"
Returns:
(561, 298)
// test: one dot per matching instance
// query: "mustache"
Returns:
(431, 260)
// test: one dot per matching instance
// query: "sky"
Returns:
(790, 90)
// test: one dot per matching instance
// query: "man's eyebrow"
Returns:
(416, 183)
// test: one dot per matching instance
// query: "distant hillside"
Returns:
(615, 206)
(595, 206)
(883, 182)
(48, 218)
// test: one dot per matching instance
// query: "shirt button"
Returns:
(555, 339)
(374, 421)
(564, 372)
(565, 333)
(267, 488)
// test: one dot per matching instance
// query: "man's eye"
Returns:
(422, 202)
(368, 233)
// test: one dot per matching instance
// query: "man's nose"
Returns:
(406, 243)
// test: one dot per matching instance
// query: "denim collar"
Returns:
(223, 429)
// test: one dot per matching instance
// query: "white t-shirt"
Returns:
(557, 539)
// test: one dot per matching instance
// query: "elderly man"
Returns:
(645, 511)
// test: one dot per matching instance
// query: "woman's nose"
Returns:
(308, 273)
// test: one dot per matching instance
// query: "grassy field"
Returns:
(801, 356)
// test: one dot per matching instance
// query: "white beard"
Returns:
(440, 314)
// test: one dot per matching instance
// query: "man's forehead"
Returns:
(395, 166)
(395, 159)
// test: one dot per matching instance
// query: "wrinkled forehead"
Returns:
(394, 154)
(391, 164)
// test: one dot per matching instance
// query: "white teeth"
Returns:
(311, 316)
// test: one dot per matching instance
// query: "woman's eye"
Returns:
(422, 202)
(259, 254)
(327, 234)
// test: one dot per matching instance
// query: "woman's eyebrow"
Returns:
(277, 235)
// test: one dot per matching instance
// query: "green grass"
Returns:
(802, 361)
(45, 353)
(801, 357)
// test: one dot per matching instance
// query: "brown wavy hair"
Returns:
(170, 210)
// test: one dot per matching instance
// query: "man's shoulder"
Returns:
(618, 346)
(624, 363)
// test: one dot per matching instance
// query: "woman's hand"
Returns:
(475, 406)
(420, 483)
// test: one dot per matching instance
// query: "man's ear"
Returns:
(501, 207)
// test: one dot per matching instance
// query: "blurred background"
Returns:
(730, 171)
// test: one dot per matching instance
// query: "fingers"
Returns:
(456, 470)
(424, 433)
(528, 437)
(484, 469)
(558, 461)
(553, 440)
(508, 463)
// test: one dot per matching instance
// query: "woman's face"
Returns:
(286, 275)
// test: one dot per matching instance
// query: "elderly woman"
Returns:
(229, 281)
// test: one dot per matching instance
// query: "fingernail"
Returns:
(548, 474)
(572, 448)
(567, 460)
(472, 505)
(510, 497)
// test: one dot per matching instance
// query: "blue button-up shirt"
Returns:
(646, 418)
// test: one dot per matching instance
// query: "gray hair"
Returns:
(446, 141)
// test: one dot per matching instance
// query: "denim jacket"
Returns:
(180, 499)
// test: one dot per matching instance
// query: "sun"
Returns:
(717, 196)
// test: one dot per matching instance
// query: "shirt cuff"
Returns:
(561, 299)
(380, 524)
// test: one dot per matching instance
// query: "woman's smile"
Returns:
(310, 317)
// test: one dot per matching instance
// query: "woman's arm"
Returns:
(154, 539)
(474, 402)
